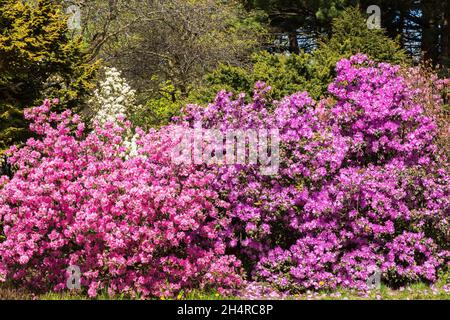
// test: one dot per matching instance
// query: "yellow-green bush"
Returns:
(38, 59)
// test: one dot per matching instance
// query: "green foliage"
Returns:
(289, 73)
(350, 35)
(225, 77)
(159, 110)
(284, 73)
(38, 59)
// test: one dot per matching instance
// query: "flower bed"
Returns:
(361, 186)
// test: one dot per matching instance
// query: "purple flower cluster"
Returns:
(361, 184)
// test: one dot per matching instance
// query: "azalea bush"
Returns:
(139, 226)
(433, 94)
(362, 186)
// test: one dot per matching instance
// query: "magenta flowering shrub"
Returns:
(139, 226)
(361, 185)
(376, 109)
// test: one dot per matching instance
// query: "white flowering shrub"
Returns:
(132, 147)
(114, 98)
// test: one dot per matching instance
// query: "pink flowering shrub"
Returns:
(361, 186)
(139, 226)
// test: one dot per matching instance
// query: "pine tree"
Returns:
(310, 17)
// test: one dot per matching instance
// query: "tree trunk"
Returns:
(430, 34)
(293, 42)
(445, 37)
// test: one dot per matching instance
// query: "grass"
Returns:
(417, 291)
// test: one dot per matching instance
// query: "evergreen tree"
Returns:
(289, 73)
(38, 59)
(312, 18)
(350, 35)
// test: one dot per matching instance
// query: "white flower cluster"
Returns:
(113, 98)
(131, 146)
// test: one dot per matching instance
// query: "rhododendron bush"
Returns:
(361, 187)
(138, 225)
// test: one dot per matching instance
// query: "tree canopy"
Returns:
(422, 26)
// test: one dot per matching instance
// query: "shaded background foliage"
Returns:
(175, 52)
(421, 26)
